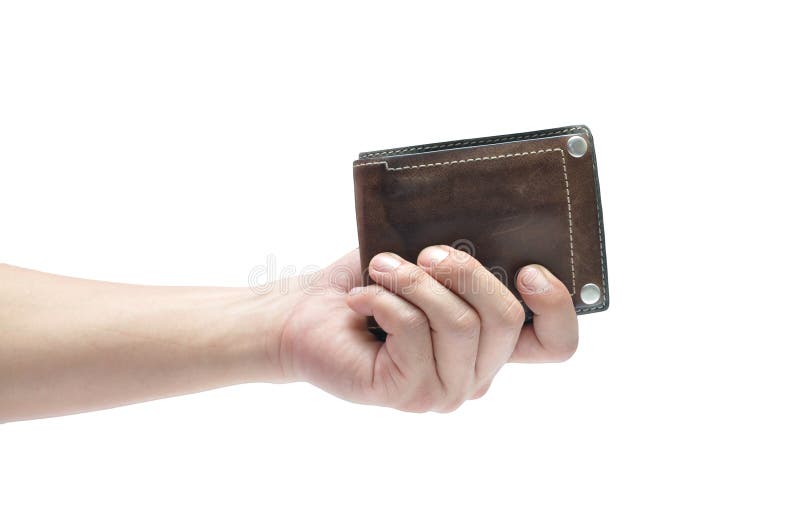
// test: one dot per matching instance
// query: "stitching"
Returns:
(468, 143)
(458, 161)
(603, 274)
(569, 215)
(506, 156)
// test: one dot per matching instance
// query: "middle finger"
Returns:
(501, 314)
(455, 326)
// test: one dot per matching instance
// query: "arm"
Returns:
(69, 345)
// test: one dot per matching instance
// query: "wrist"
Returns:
(261, 318)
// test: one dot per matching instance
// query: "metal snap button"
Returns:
(577, 146)
(590, 293)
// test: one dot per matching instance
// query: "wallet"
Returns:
(508, 200)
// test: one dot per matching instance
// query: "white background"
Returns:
(184, 142)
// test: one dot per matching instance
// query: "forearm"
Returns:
(69, 345)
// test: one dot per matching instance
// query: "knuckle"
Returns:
(564, 352)
(421, 401)
(413, 319)
(448, 407)
(480, 392)
(514, 314)
(451, 405)
(467, 322)
(453, 399)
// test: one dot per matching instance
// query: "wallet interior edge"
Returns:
(469, 143)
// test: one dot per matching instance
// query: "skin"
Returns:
(72, 345)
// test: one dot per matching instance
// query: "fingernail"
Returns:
(356, 290)
(385, 262)
(534, 279)
(432, 256)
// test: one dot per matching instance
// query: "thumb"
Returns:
(553, 335)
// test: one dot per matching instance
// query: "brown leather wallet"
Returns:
(509, 200)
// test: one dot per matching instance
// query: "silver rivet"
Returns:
(590, 293)
(577, 146)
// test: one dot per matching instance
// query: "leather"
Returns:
(509, 200)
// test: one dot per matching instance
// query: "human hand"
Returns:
(450, 323)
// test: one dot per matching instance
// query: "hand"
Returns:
(451, 325)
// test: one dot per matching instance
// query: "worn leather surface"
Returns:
(509, 200)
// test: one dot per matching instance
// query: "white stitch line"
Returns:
(569, 215)
(458, 161)
(603, 275)
(602, 267)
(503, 156)
(468, 143)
